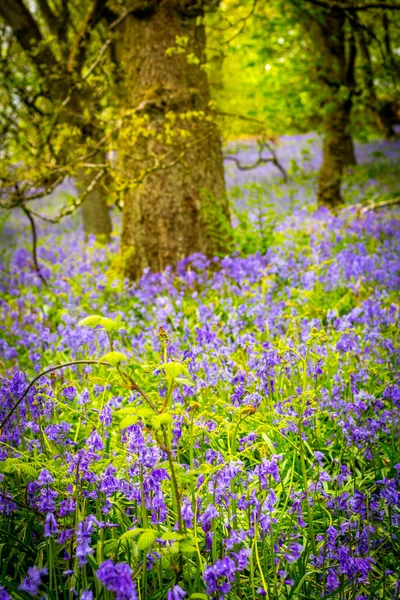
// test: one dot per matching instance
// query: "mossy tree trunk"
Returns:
(336, 56)
(94, 209)
(337, 155)
(180, 207)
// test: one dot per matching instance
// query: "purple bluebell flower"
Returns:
(33, 580)
(69, 392)
(50, 526)
(176, 593)
(45, 477)
(83, 397)
(3, 594)
(117, 578)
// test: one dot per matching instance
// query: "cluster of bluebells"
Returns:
(291, 356)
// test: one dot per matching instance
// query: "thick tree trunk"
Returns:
(350, 156)
(336, 70)
(94, 209)
(181, 206)
(95, 213)
(335, 155)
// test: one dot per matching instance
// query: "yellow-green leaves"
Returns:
(178, 372)
(104, 322)
(176, 542)
(131, 414)
(14, 465)
(114, 358)
(146, 539)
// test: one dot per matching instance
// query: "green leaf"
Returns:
(105, 322)
(146, 539)
(198, 596)
(163, 419)
(175, 369)
(171, 536)
(128, 421)
(184, 381)
(131, 533)
(91, 321)
(187, 548)
(114, 358)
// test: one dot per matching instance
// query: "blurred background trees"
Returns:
(134, 99)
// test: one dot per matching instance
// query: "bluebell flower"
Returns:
(117, 578)
(50, 526)
(176, 593)
(33, 580)
(3, 594)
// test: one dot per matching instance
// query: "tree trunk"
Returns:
(181, 206)
(335, 155)
(336, 71)
(94, 209)
(384, 115)
(350, 156)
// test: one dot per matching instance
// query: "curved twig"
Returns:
(34, 244)
(49, 370)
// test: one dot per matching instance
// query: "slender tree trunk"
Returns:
(384, 115)
(180, 207)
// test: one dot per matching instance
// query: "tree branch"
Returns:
(357, 7)
(34, 243)
(27, 32)
(78, 51)
(49, 370)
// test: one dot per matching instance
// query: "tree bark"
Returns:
(335, 155)
(336, 70)
(94, 209)
(59, 82)
(350, 156)
(181, 206)
(382, 110)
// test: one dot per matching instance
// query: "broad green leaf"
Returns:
(146, 539)
(105, 322)
(145, 411)
(198, 596)
(114, 358)
(128, 421)
(184, 381)
(187, 548)
(171, 536)
(131, 533)
(175, 369)
(91, 321)
(163, 419)
(133, 411)
(127, 410)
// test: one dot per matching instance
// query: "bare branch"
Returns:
(377, 205)
(34, 244)
(354, 7)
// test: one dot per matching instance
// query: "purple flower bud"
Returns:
(176, 593)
